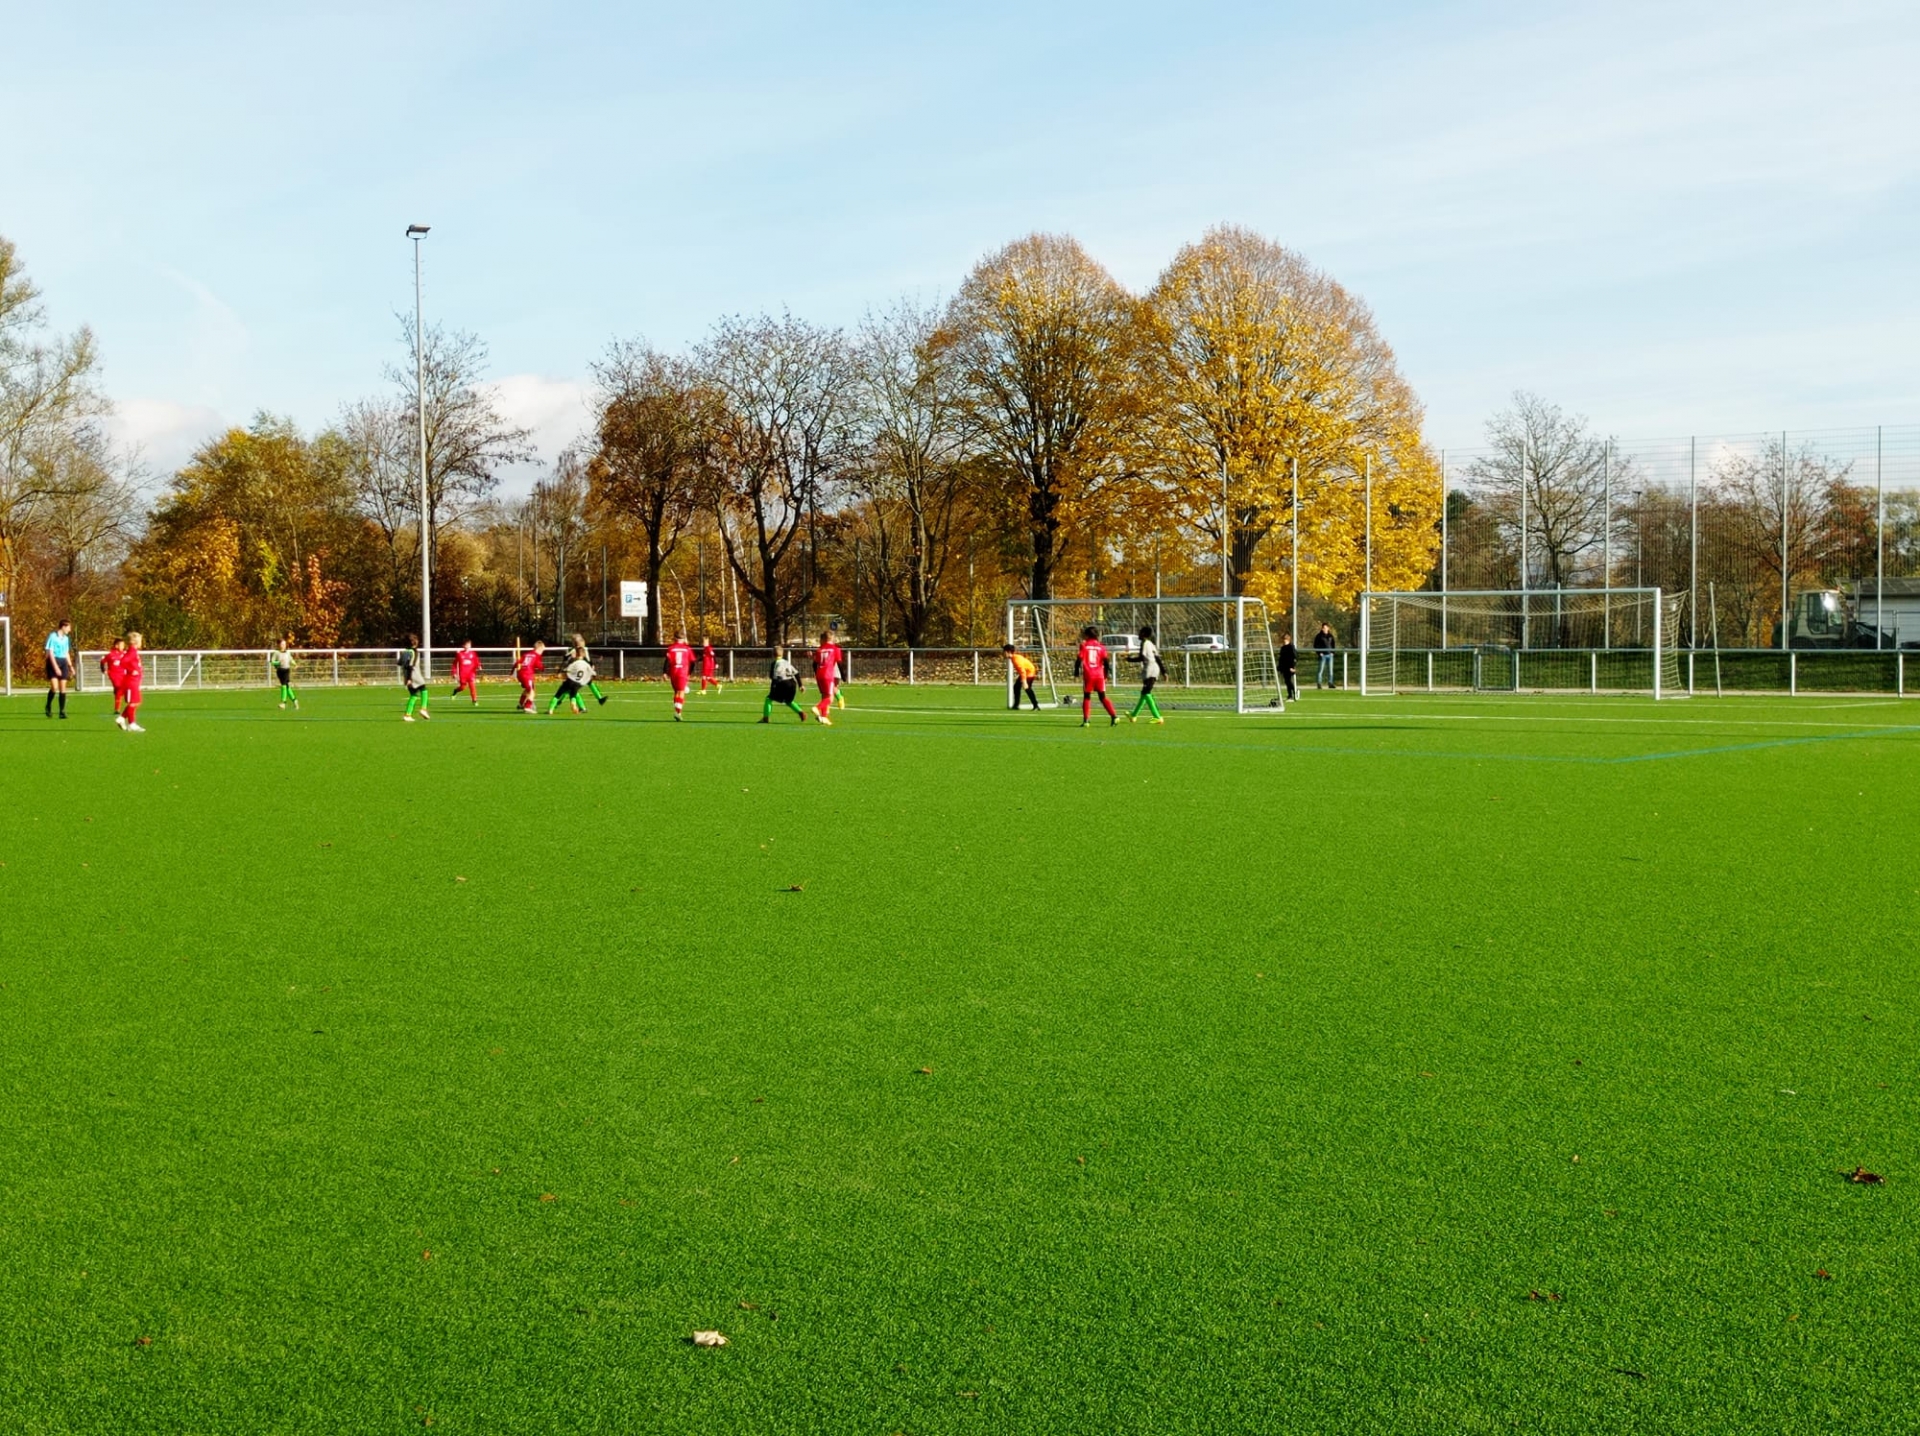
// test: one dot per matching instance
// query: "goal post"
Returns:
(1565, 640)
(1218, 653)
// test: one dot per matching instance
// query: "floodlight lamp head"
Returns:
(415, 231)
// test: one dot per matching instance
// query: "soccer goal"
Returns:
(1218, 652)
(1564, 640)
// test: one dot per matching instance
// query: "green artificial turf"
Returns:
(969, 1071)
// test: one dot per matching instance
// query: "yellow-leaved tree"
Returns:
(1250, 361)
(1040, 340)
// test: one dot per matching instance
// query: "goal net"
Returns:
(1218, 653)
(1587, 640)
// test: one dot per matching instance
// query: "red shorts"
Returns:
(680, 688)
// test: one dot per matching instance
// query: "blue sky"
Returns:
(1671, 217)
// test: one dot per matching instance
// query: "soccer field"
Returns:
(1396, 1065)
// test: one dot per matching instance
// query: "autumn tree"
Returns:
(1253, 361)
(782, 436)
(916, 470)
(655, 423)
(1787, 518)
(1041, 347)
(238, 544)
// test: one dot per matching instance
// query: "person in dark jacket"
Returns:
(1290, 666)
(1324, 644)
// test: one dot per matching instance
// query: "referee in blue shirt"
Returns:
(59, 665)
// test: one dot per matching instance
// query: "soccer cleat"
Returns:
(1132, 719)
(678, 719)
(1086, 723)
(283, 707)
(135, 728)
(425, 714)
(406, 717)
(826, 720)
(296, 705)
(765, 720)
(1159, 721)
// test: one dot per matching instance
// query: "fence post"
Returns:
(336, 667)
(1593, 672)
(909, 668)
(623, 665)
(1429, 670)
(1899, 675)
(729, 665)
(976, 668)
(1343, 671)
(1793, 672)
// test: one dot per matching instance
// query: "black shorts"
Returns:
(568, 688)
(784, 690)
(285, 676)
(59, 668)
(1146, 684)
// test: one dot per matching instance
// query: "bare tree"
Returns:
(654, 426)
(93, 510)
(917, 458)
(468, 440)
(1563, 470)
(781, 439)
(383, 468)
(557, 513)
(1783, 506)
(49, 406)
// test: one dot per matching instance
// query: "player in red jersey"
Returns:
(709, 672)
(131, 672)
(466, 672)
(826, 675)
(527, 667)
(113, 663)
(679, 670)
(1091, 665)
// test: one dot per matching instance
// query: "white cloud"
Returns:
(162, 433)
(553, 410)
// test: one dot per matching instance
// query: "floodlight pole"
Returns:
(1369, 583)
(1293, 603)
(1226, 530)
(416, 233)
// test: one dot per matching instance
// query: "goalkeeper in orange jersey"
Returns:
(1021, 671)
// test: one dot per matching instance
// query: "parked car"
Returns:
(1206, 643)
(1121, 644)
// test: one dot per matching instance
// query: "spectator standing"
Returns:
(1324, 644)
(1290, 667)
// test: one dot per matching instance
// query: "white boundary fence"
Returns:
(1704, 670)
(229, 668)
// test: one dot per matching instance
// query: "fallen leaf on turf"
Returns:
(928, 1072)
(459, 880)
(733, 1162)
(749, 1306)
(1823, 1275)
(1865, 1178)
(970, 1395)
(1081, 1160)
(1576, 1157)
(707, 1338)
(795, 888)
(548, 1197)
(143, 1341)
(426, 1256)
(1543, 1296)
